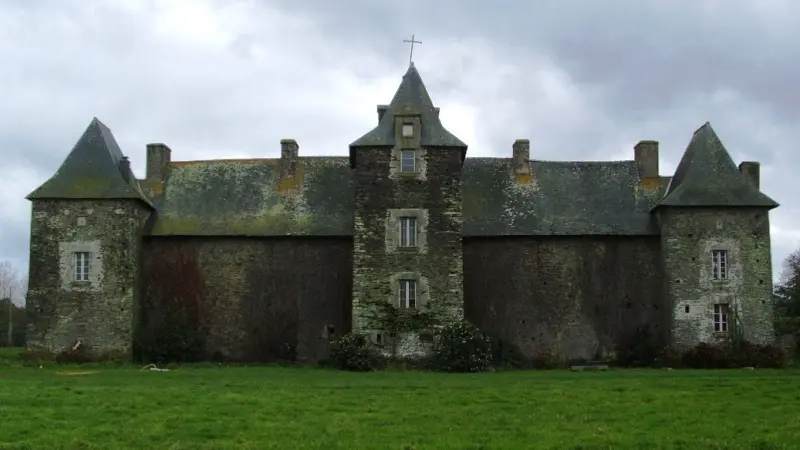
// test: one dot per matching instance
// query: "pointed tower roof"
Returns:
(92, 170)
(707, 176)
(411, 98)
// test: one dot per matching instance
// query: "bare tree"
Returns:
(10, 288)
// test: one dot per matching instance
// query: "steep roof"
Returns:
(247, 197)
(559, 198)
(92, 171)
(707, 176)
(411, 97)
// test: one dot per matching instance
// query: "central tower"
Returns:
(408, 222)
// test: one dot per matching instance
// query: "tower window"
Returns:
(408, 130)
(719, 264)
(721, 317)
(408, 232)
(408, 294)
(81, 262)
(408, 161)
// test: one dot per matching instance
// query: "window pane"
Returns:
(403, 293)
(412, 294)
(407, 162)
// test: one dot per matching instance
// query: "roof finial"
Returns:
(411, 55)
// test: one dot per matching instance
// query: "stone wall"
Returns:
(251, 296)
(688, 237)
(433, 195)
(98, 312)
(569, 295)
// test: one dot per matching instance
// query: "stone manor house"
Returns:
(252, 255)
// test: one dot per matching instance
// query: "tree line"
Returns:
(13, 287)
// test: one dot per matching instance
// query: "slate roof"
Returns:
(411, 97)
(707, 176)
(247, 197)
(92, 171)
(559, 198)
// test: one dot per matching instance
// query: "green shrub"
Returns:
(506, 354)
(353, 352)
(711, 356)
(546, 360)
(461, 347)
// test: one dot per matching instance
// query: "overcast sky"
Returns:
(228, 79)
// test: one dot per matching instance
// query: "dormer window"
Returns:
(408, 161)
(408, 130)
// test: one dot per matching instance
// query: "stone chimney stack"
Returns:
(158, 159)
(752, 171)
(381, 111)
(646, 156)
(289, 155)
(125, 168)
(522, 155)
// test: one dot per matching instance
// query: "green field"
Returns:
(66, 407)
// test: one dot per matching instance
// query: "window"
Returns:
(719, 264)
(408, 294)
(408, 161)
(721, 317)
(408, 232)
(81, 266)
(408, 130)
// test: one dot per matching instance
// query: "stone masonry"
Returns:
(255, 257)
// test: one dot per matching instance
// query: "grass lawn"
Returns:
(272, 407)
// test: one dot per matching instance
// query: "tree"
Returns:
(787, 291)
(12, 319)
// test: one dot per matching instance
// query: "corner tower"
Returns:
(715, 244)
(85, 246)
(408, 224)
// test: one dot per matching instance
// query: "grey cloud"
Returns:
(629, 71)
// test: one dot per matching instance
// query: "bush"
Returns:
(708, 356)
(506, 354)
(353, 352)
(169, 343)
(668, 357)
(640, 351)
(288, 353)
(461, 347)
(546, 360)
(77, 355)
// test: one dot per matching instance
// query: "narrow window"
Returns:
(408, 294)
(408, 161)
(408, 232)
(719, 264)
(408, 130)
(721, 317)
(81, 262)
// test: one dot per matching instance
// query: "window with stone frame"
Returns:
(408, 130)
(408, 161)
(719, 264)
(81, 265)
(408, 294)
(408, 231)
(721, 318)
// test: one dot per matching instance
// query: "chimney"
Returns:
(646, 156)
(381, 111)
(125, 168)
(158, 159)
(289, 152)
(436, 110)
(752, 171)
(522, 153)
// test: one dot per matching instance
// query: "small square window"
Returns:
(408, 130)
(719, 264)
(81, 263)
(408, 232)
(721, 318)
(408, 161)
(408, 294)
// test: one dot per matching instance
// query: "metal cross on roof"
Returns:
(412, 42)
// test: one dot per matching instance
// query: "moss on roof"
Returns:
(92, 171)
(707, 176)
